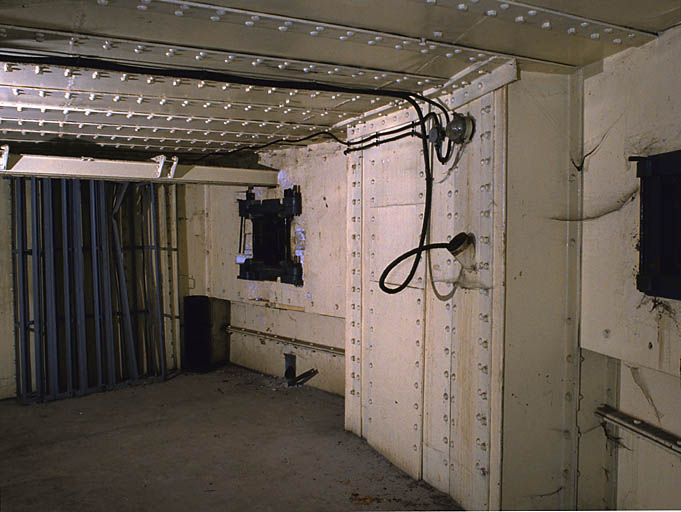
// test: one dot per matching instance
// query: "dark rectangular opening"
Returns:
(660, 228)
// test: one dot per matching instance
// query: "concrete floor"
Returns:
(227, 440)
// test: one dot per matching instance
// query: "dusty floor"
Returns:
(229, 440)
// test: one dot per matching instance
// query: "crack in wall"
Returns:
(582, 161)
(546, 495)
(641, 383)
(619, 205)
(611, 438)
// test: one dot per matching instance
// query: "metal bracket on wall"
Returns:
(286, 340)
(662, 438)
(163, 163)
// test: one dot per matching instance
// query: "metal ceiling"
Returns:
(403, 45)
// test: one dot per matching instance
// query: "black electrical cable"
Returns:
(437, 125)
(412, 133)
(324, 133)
(272, 143)
(202, 74)
(454, 246)
(376, 135)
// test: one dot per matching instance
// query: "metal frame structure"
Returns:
(441, 53)
(159, 169)
(91, 244)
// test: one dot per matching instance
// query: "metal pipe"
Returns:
(79, 286)
(133, 372)
(286, 340)
(35, 247)
(132, 226)
(15, 293)
(144, 278)
(178, 365)
(95, 281)
(15, 307)
(66, 254)
(22, 292)
(171, 273)
(660, 437)
(159, 285)
(52, 366)
(107, 310)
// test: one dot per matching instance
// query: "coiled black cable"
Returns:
(455, 246)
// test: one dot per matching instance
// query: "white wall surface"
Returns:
(319, 169)
(8, 386)
(475, 393)
(313, 312)
(423, 373)
(632, 107)
(539, 433)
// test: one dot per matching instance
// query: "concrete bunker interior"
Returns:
(509, 360)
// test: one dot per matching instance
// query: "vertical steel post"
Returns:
(21, 290)
(107, 312)
(132, 221)
(147, 271)
(79, 286)
(133, 372)
(18, 326)
(170, 253)
(52, 366)
(35, 252)
(178, 299)
(94, 253)
(66, 254)
(159, 284)
(15, 293)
